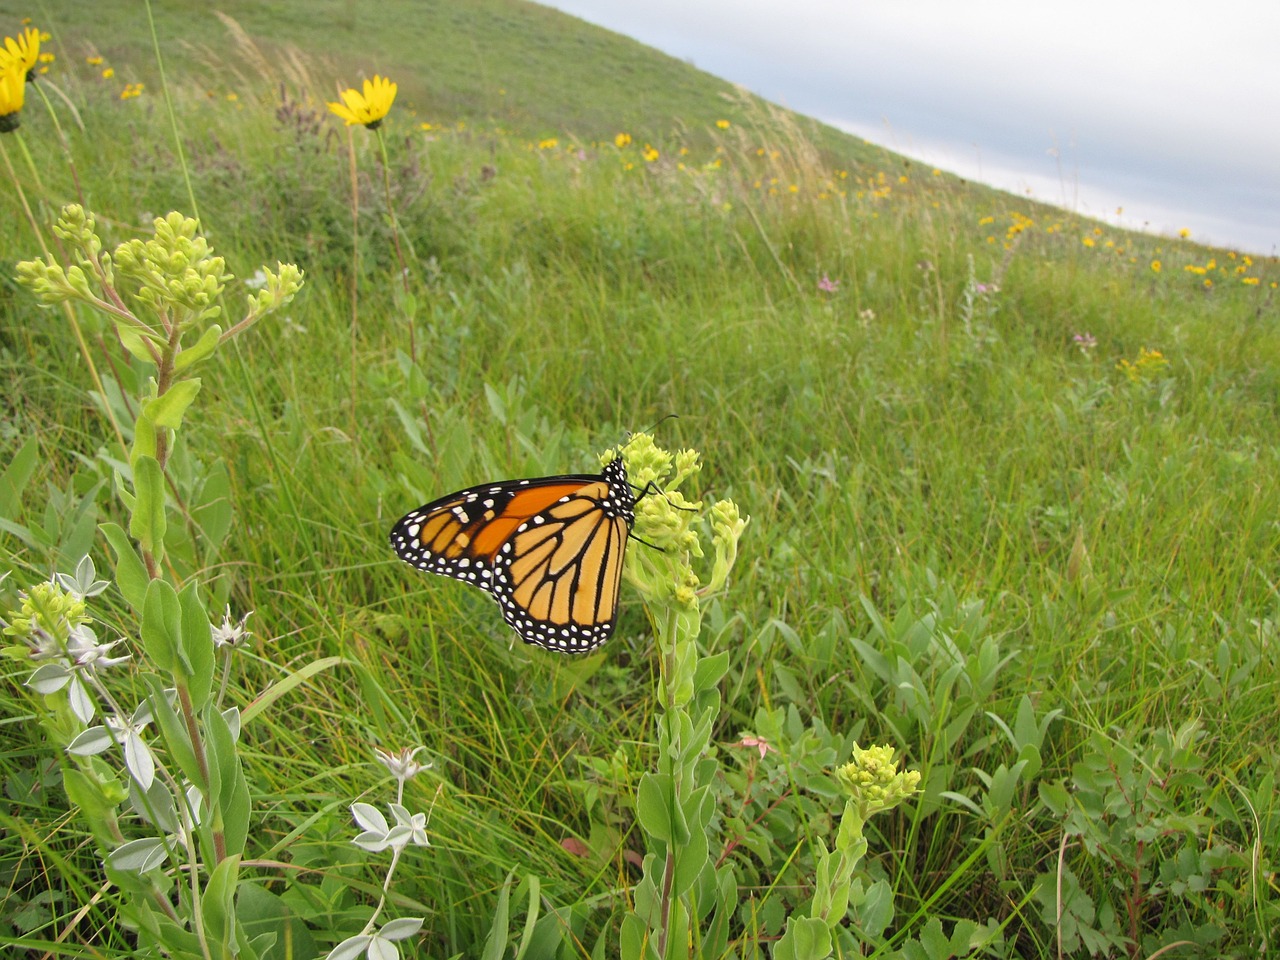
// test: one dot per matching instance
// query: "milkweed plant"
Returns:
(686, 902)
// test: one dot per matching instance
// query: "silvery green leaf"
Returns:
(138, 856)
(155, 805)
(399, 836)
(232, 716)
(49, 678)
(400, 929)
(81, 703)
(380, 949)
(350, 948)
(371, 840)
(370, 817)
(92, 741)
(137, 757)
(82, 584)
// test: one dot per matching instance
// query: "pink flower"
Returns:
(827, 285)
(758, 743)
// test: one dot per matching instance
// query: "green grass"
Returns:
(924, 479)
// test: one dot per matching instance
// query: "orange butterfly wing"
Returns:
(548, 549)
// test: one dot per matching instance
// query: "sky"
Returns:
(1169, 111)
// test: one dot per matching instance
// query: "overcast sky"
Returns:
(1170, 110)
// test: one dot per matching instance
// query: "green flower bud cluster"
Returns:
(44, 619)
(278, 290)
(873, 781)
(669, 523)
(176, 268)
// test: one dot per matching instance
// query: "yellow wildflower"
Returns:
(13, 91)
(723, 124)
(93, 61)
(367, 108)
(1251, 281)
(23, 52)
(650, 154)
(108, 73)
(1155, 266)
(549, 144)
(622, 140)
(1184, 233)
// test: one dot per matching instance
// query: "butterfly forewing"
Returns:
(549, 549)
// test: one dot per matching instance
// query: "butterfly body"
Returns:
(548, 549)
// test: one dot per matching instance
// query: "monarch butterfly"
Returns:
(549, 550)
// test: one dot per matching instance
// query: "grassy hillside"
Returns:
(1011, 479)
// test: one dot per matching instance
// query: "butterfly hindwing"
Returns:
(549, 549)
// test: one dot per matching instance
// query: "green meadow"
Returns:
(1011, 477)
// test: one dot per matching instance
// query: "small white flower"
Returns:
(258, 280)
(85, 651)
(231, 634)
(290, 327)
(402, 765)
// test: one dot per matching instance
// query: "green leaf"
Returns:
(197, 645)
(135, 341)
(709, 671)
(131, 575)
(691, 859)
(174, 732)
(807, 938)
(495, 945)
(655, 803)
(262, 913)
(211, 509)
(144, 440)
(162, 627)
(168, 409)
(147, 525)
(199, 350)
(635, 941)
(218, 903)
(15, 478)
(87, 794)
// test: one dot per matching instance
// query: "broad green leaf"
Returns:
(197, 645)
(147, 525)
(138, 856)
(168, 409)
(136, 342)
(218, 903)
(212, 507)
(262, 913)
(131, 575)
(199, 350)
(691, 859)
(144, 440)
(709, 671)
(807, 938)
(162, 627)
(655, 801)
(15, 478)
